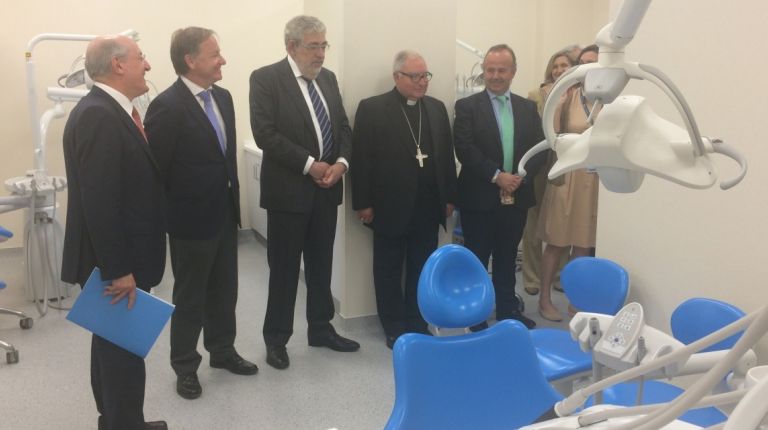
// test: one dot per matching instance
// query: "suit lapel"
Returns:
(517, 111)
(485, 109)
(291, 87)
(229, 121)
(192, 106)
(127, 121)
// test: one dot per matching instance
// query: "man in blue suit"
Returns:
(114, 215)
(191, 131)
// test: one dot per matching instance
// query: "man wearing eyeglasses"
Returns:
(404, 186)
(298, 120)
(492, 130)
(115, 216)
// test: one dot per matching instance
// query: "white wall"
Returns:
(535, 29)
(250, 34)
(679, 243)
(374, 31)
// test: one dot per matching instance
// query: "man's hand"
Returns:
(508, 182)
(366, 215)
(317, 171)
(333, 174)
(121, 287)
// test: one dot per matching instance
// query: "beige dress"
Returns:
(568, 213)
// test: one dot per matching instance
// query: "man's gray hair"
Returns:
(403, 56)
(98, 57)
(299, 25)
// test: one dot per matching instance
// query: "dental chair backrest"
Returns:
(485, 380)
(594, 284)
(699, 317)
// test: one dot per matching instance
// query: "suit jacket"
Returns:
(384, 170)
(114, 214)
(478, 148)
(199, 179)
(282, 127)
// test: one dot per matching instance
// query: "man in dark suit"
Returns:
(114, 216)
(191, 131)
(492, 131)
(299, 122)
(404, 184)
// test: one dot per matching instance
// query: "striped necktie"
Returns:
(322, 119)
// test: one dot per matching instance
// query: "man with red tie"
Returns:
(114, 216)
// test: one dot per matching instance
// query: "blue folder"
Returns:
(135, 330)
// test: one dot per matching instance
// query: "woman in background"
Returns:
(558, 64)
(531, 244)
(568, 214)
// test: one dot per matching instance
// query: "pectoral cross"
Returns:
(420, 156)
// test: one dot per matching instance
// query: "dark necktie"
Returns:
(137, 121)
(209, 112)
(322, 119)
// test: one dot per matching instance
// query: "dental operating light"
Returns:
(628, 139)
(36, 191)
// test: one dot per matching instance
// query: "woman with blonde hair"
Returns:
(568, 214)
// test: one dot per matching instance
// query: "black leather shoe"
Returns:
(277, 357)
(335, 342)
(151, 425)
(391, 341)
(529, 323)
(235, 364)
(188, 386)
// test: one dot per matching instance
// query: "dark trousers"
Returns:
(289, 234)
(497, 233)
(398, 307)
(117, 380)
(205, 295)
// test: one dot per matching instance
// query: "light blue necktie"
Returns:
(322, 119)
(507, 133)
(209, 112)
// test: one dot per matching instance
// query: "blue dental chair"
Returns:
(11, 353)
(488, 380)
(592, 285)
(691, 321)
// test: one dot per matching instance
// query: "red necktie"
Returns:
(137, 121)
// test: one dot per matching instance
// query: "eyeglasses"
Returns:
(142, 57)
(314, 47)
(417, 77)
